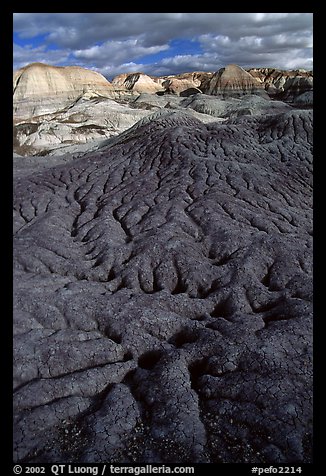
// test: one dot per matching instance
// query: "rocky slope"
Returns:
(138, 83)
(163, 296)
(232, 81)
(186, 83)
(87, 122)
(40, 89)
(247, 105)
(286, 85)
(66, 109)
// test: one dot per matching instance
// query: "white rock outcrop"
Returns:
(40, 88)
(85, 122)
(138, 83)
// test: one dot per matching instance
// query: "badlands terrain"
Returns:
(162, 266)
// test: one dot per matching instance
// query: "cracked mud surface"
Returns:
(163, 296)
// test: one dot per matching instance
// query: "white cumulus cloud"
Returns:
(111, 42)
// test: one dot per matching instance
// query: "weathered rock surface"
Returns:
(153, 101)
(232, 81)
(85, 124)
(138, 83)
(177, 86)
(163, 296)
(40, 88)
(286, 85)
(295, 87)
(86, 121)
(251, 105)
(59, 110)
(304, 100)
(181, 83)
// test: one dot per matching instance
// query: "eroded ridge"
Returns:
(163, 291)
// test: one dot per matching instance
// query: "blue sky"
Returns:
(163, 43)
(177, 46)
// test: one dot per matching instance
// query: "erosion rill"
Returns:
(163, 296)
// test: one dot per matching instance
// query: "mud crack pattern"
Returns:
(163, 296)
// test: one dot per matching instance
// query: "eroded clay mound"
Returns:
(232, 81)
(41, 88)
(163, 295)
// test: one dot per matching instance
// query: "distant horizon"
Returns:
(162, 44)
(164, 75)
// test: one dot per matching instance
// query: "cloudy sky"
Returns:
(163, 43)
